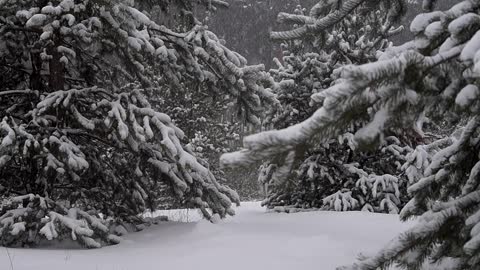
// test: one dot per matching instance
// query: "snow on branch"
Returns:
(338, 101)
(335, 11)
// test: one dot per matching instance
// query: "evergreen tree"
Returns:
(79, 138)
(332, 175)
(434, 75)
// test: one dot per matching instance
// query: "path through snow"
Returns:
(251, 240)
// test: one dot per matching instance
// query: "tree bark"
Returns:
(56, 68)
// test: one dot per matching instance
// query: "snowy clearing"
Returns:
(252, 239)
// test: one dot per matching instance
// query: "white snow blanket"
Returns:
(251, 240)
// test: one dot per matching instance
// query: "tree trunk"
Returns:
(56, 67)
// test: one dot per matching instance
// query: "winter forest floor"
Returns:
(253, 239)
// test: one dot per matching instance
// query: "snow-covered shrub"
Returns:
(29, 218)
(378, 184)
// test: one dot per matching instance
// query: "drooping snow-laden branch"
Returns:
(442, 215)
(446, 195)
(319, 177)
(333, 13)
(79, 130)
(88, 229)
(129, 123)
(145, 49)
(116, 172)
(339, 101)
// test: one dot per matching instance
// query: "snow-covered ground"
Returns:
(251, 240)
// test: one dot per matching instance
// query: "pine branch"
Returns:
(320, 24)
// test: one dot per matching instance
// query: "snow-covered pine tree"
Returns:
(332, 175)
(437, 75)
(79, 138)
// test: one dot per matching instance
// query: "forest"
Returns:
(199, 132)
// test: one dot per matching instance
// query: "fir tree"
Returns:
(332, 175)
(434, 75)
(79, 138)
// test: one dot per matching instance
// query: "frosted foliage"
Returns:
(341, 201)
(348, 93)
(352, 40)
(198, 52)
(436, 76)
(324, 179)
(418, 160)
(423, 73)
(309, 66)
(328, 13)
(79, 126)
(18, 223)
